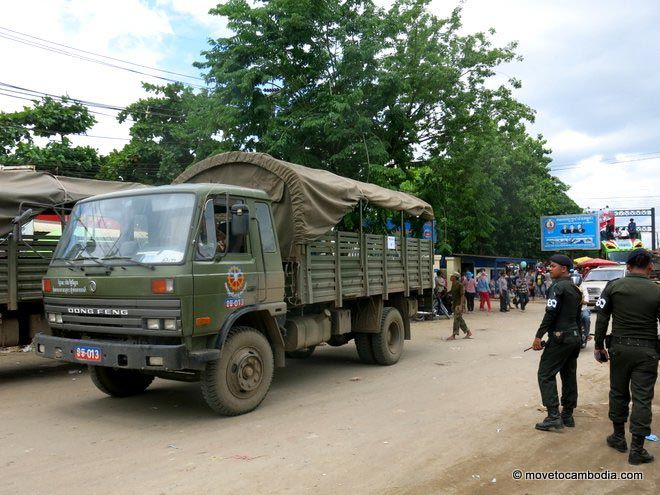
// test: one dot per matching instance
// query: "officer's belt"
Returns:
(634, 342)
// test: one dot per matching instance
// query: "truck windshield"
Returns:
(603, 275)
(149, 229)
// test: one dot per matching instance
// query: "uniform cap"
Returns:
(562, 259)
(636, 252)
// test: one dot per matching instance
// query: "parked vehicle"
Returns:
(219, 277)
(597, 278)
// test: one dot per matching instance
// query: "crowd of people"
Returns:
(514, 286)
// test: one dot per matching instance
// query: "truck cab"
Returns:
(145, 282)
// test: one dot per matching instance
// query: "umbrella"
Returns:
(579, 261)
(597, 262)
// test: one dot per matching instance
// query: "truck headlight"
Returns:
(153, 324)
(54, 318)
(169, 324)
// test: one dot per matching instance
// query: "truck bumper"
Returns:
(126, 356)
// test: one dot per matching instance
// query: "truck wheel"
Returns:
(388, 343)
(364, 348)
(303, 353)
(238, 381)
(118, 382)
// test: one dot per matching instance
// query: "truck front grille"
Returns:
(114, 316)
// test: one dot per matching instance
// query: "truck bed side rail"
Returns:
(345, 265)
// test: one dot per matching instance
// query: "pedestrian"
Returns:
(439, 290)
(532, 286)
(633, 302)
(504, 292)
(585, 314)
(483, 288)
(540, 286)
(562, 324)
(522, 290)
(458, 295)
(547, 281)
(470, 291)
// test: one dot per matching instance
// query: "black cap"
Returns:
(636, 252)
(562, 259)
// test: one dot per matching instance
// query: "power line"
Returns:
(100, 55)
(30, 92)
(607, 162)
(100, 62)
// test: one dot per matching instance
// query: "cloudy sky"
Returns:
(590, 71)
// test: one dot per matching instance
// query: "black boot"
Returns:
(567, 417)
(617, 440)
(552, 420)
(638, 454)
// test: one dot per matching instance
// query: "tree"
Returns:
(397, 97)
(54, 120)
(171, 130)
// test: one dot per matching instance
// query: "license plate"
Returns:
(90, 354)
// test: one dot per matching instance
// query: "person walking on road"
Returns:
(562, 324)
(522, 290)
(457, 297)
(470, 291)
(503, 287)
(633, 302)
(483, 288)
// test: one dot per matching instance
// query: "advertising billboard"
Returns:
(569, 232)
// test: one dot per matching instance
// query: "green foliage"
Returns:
(48, 118)
(393, 96)
(171, 130)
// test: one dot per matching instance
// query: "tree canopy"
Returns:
(53, 120)
(394, 96)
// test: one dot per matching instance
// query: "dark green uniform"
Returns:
(457, 293)
(562, 324)
(634, 304)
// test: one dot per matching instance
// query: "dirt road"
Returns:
(451, 417)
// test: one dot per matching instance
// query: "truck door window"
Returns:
(206, 241)
(266, 228)
(228, 242)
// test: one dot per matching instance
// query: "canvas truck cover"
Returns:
(307, 202)
(40, 191)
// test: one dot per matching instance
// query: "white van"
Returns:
(597, 279)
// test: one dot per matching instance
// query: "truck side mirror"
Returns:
(240, 219)
(18, 222)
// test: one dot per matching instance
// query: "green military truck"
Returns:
(221, 276)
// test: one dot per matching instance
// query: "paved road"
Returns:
(450, 417)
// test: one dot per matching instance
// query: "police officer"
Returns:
(563, 325)
(634, 304)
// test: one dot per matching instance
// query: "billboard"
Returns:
(570, 232)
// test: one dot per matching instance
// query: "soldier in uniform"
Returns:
(634, 304)
(457, 298)
(563, 325)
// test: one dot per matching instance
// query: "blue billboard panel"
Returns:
(570, 232)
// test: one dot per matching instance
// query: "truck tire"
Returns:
(239, 381)
(118, 382)
(303, 353)
(387, 344)
(364, 348)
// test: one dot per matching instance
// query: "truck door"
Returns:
(224, 267)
